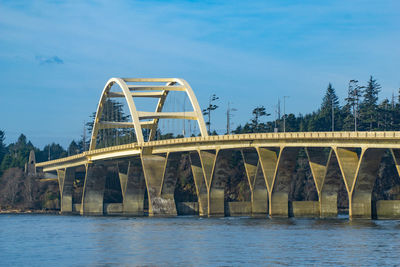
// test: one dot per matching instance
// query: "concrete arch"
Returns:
(129, 92)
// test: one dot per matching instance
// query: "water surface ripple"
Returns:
(53, 240)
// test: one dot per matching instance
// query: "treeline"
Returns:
(15, 155)
(361, 111)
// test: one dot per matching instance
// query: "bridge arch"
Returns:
(132, 88)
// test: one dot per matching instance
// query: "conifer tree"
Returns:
(369, 105)
(351, 109)
(329, 109)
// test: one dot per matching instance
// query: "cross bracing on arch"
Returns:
(131, 88)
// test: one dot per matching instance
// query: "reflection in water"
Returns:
(75, 240)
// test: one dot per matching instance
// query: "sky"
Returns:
(56, 56)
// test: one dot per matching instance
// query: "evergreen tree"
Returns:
(369, 105)
(52, 151)
(109, 136)
(351, 109)
(18, 153)
(74, 148)
(2, 145)
(207, 111)
(258, 113)
(384, 113)
(329, 107)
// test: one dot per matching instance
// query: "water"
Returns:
(54, 240)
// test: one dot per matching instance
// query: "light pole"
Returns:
(333, 117)
(284, 112)
(228, 118)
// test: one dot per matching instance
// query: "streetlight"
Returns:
(228, 118)
(284, 112)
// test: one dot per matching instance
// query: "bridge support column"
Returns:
(279, 187)
(160, 172)
(202, 163)
(219, 176)
(328, 197)
(258, 188)
(133, 187)
(66, 179)
(396, 158)
(326, 173)
(93, 189)
(360, 172)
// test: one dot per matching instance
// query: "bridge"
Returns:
(150, 167)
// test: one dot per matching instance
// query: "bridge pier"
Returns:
(278, 166)
(360, 172)
(202, 163)
(66, 179)
(93, 189)
(133, 187)
(326, 173)
(328, 196)
(279, 200)
(160, 172)
(219, 176)
(258, 187)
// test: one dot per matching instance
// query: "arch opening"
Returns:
(130, 111)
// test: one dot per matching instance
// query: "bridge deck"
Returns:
(290, 139)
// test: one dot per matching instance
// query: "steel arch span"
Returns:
(131, 89)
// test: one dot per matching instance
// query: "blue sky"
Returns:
(55, 56)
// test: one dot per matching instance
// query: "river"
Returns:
(55, 240)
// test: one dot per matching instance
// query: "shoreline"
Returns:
(20, 211)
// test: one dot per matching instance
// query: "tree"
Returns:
(329, 109)
(384, 112)
(352, 106)
(53, 151)
(258, 112)
(207, 111)
(18, 153)
(110, 136)
(74, 148)
(369, 106)
(2, 146)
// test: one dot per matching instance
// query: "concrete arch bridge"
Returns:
(148, 169)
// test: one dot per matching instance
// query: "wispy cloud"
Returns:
(49, 60)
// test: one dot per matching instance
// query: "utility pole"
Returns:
(284, 113)
(356, 107)
(184, 102)
(333, 117)
(276, 118)
(84, 136)
(228, 118)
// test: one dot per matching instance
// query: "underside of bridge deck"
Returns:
(269, 173)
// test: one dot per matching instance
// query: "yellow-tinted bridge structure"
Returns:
(151, 166)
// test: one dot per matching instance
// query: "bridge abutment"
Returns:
(93, 189)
